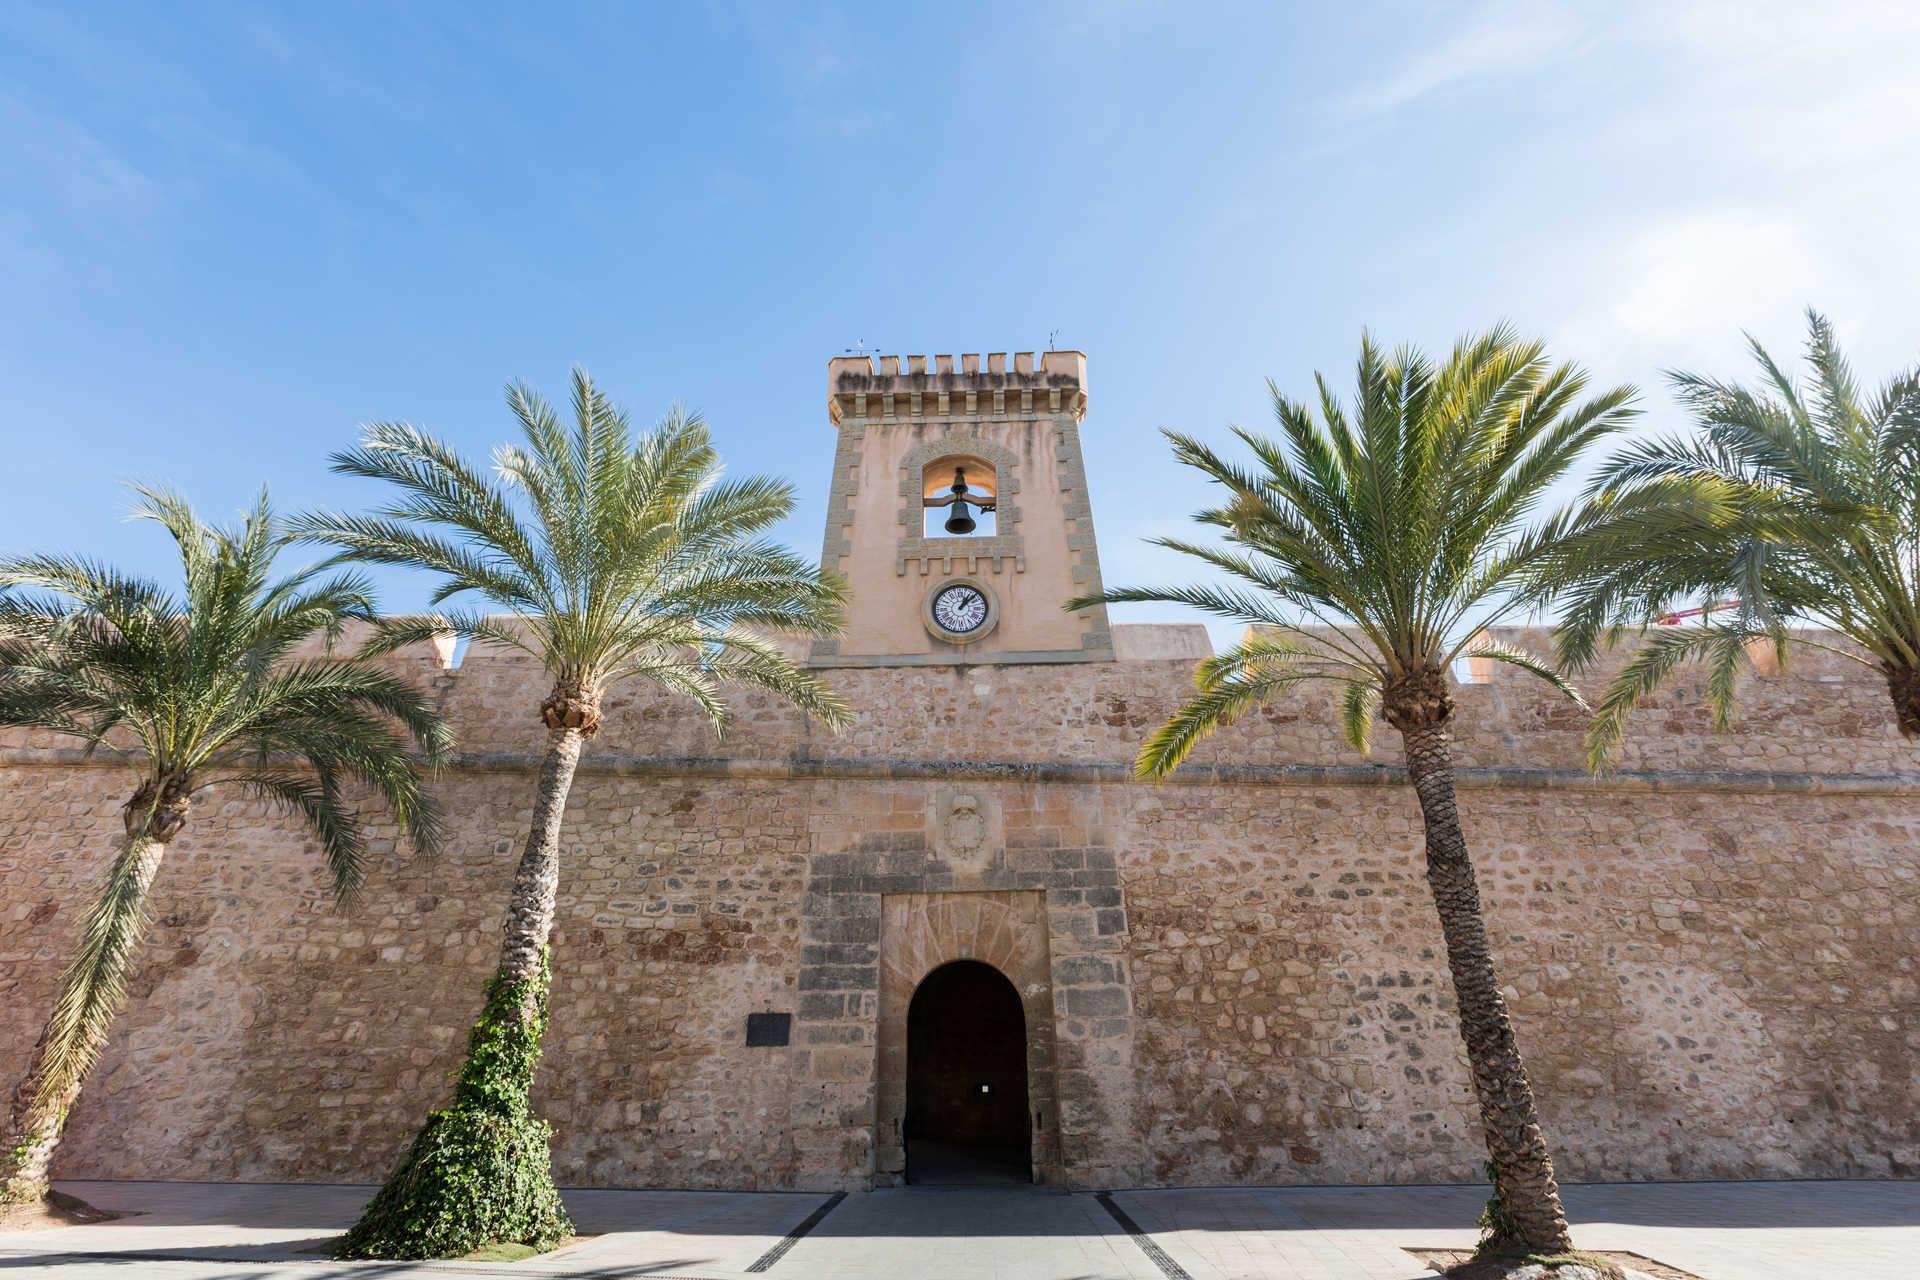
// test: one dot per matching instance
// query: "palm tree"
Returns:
(1372, 549)
(1821, 490)
(195, 691)
(617, 559)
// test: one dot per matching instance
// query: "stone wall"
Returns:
(1711, 956)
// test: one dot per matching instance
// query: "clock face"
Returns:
(960, 609)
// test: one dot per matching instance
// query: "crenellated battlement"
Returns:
(918, 386)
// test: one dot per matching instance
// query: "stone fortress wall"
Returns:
(1233, 977)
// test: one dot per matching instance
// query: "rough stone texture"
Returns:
(1711, 957)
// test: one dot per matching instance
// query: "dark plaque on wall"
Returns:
(768, 1030)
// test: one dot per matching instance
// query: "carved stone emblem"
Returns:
(966, 829)
(963, 829)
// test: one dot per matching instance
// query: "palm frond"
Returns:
(1661, 652)
(739, 657)
(1359, 702)
(95, 982)
(1209, 709)
(1513, 656)
(318, 803)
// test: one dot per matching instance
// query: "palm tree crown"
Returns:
(1790, 505)
(1402, 530)
(621, 558)
(196, 690)
(205, 686)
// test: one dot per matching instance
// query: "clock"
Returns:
(960, 608)
(960, 611)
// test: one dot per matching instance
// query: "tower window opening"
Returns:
(960, 497)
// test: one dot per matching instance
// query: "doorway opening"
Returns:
(967, 1121)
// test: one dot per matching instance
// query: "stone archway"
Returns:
(966, 1114)
(921, 933)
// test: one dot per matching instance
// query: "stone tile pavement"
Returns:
(1721, 1231)
(1718, 1230)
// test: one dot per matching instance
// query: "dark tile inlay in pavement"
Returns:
(1171, 1269)
(812, 1220)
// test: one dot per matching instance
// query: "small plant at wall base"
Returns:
(615, 558)
(1402, 528)
(196, 691)
(1498, 1230)
(477, 1173)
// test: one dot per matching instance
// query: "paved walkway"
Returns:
(1720, 1231)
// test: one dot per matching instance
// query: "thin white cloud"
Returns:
(1678, 290)
(1494, 40)
(65, 178)
(65, 159)
(1783, 138)
(1799, 89)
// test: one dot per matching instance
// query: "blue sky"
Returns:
(228, 234)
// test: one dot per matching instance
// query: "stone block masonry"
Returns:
(1234, 977)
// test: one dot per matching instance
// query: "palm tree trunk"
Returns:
(73, 1036)
(536, 882)
(1523, 1171)
(1903, 686)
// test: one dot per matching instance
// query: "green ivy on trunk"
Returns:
(480, 1171)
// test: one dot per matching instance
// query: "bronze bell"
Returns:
(960, 519)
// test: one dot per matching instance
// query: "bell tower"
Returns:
(959, 512)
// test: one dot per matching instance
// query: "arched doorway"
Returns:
(967, 1120)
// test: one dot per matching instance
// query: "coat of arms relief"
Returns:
(965, 830)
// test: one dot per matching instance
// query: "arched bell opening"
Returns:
(960, 495)
(967, 1120)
